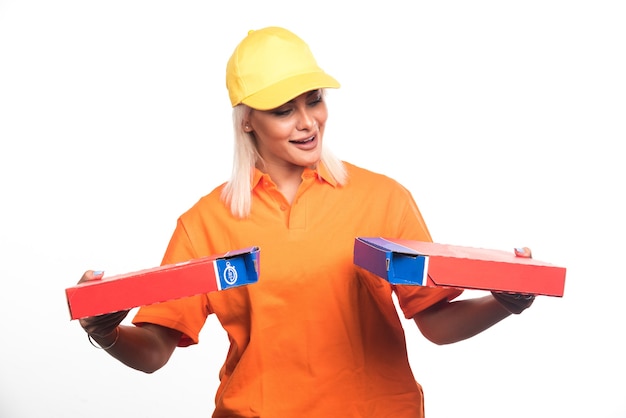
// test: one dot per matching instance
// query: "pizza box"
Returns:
(407, 262)
(160, 284)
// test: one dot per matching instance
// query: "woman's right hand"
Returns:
(100, 326)
(146, 348)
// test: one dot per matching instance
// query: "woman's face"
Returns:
(290, 134)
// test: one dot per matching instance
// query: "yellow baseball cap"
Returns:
(271, 66)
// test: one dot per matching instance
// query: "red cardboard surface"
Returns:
(160, 284)
(462, 267)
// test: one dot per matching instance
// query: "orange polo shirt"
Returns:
(316, 336)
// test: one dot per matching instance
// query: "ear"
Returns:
(246, 126)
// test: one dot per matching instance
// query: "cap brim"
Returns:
(280, 93)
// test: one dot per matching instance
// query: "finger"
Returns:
(91, 275)
(514, 302)
(106, 320)
(102, 325)
(523, 252)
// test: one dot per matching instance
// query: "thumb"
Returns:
(91, 275)
(523, 252)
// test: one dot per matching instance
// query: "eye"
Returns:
(281, 112)
(315, 101)
(315, 98)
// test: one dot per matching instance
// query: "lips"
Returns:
(309, 143)
(303, 141)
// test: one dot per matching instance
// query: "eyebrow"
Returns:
(313, 92)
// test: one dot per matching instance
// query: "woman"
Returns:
(316, 336)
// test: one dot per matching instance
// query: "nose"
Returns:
(306, 121)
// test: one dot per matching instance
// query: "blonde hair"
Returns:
(237, 194)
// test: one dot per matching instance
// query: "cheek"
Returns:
(321, 117)
(269, 132)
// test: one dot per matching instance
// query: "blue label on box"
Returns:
(236, 271)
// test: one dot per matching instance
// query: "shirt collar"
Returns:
(324, 175)
(321, 172)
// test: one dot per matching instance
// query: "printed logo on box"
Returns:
(230, 274)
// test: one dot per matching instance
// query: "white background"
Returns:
(506, 120)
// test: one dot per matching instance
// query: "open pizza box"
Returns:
(407, 262)
(160, 284)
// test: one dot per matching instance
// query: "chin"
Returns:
(313, 163)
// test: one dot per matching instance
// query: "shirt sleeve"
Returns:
(186, 315)
(413, 299)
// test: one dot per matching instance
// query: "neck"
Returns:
(287, 179)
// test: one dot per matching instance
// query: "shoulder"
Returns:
(358, 172)
(385, 201)
(207, 206)
(362, 177)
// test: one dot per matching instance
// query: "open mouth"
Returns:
(303, 141)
